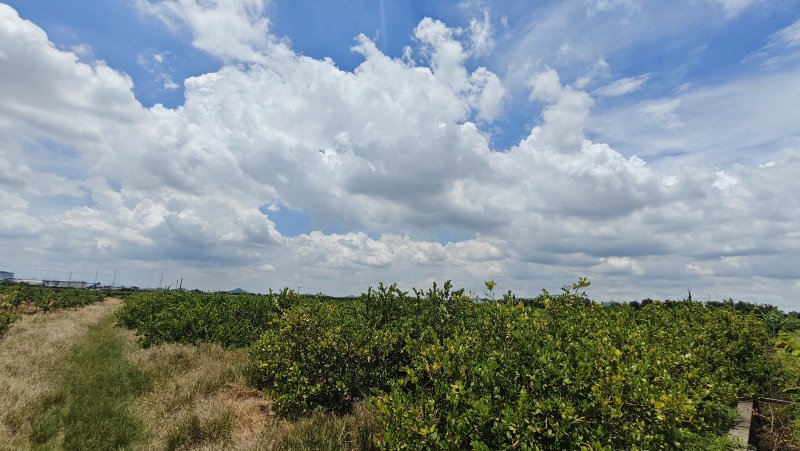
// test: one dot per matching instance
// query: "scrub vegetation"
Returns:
(430, 369)
(19, 298)
(440, 369)
(33, 357)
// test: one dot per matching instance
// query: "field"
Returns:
(388, 370)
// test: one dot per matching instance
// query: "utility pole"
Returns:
(95, 274)
(70, 277)
(161, 281)
(152, 273)
(115, 278)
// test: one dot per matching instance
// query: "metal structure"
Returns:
(63, 284)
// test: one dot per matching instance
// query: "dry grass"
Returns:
(200, 399)
(358, 431)
(30, 355)
(194, 397)
(198, 396)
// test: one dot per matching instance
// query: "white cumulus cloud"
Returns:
(393, 164)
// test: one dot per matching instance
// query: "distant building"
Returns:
(63, 284)
(52, 283)
(44, 283)
(31, 282)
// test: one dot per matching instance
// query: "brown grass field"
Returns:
(29, 356)
(175, 397)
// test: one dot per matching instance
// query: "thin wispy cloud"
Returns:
(735, 7)
(782, 48)
(623, 86)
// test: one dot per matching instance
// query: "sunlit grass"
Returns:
(32, 356)
(199, 398)
(92, 410)
(70, 380)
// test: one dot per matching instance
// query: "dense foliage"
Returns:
(558, 373)
(577, 376)
(191, 318)
(448, 371)
(327, 355)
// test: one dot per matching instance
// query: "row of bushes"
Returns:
(560, 373)
(328, 355)
(191, 318)
(46, 299)
(572, 377)
(16, 297)
(448, 371)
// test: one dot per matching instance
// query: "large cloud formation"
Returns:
(392, 162)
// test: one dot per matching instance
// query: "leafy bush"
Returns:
(329, 354)
(6, 318)
(572, 375)
(192, 318)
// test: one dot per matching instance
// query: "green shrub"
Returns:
(192, 318)
(329, 354)
(572, 375)
(6, 318)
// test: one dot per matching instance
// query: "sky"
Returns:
(652, 147)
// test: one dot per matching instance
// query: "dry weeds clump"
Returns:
(776, 432)
(358, 431)
(199, 398)
(29, 358)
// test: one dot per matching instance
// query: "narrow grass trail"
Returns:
(70, 379)
(66, 382)
(93, 409)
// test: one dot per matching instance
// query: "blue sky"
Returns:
(118, 33)
(650, 146)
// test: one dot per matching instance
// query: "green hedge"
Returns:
(446, 371)
(327, 355)
(192, 318)
(572, 376)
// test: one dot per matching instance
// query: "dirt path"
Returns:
(30, 356)
(68, 374)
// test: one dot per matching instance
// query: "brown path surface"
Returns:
(30, 353)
